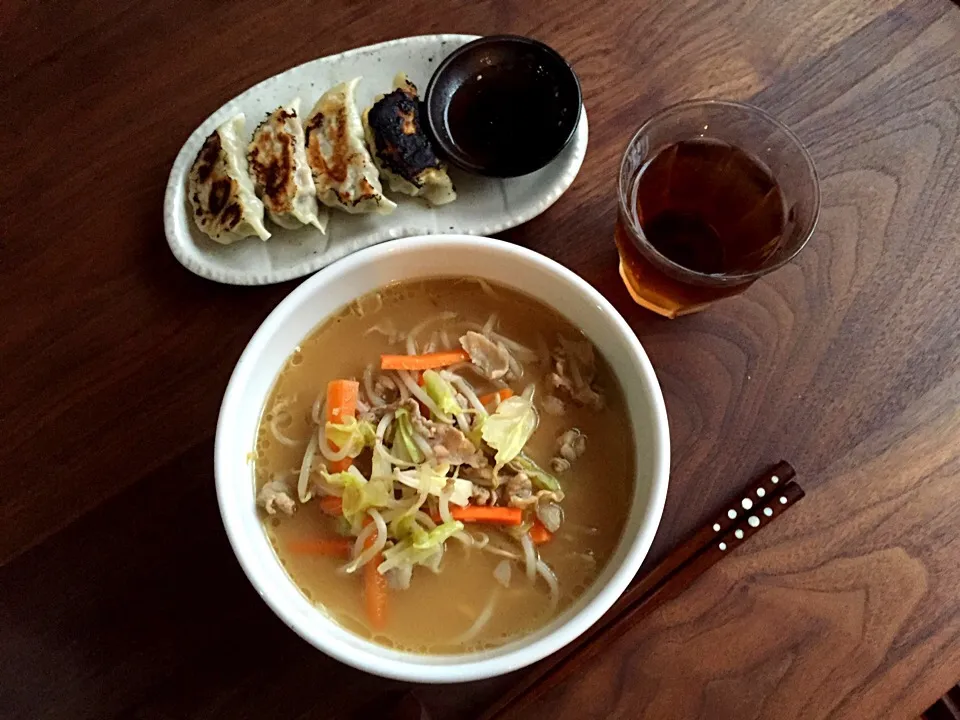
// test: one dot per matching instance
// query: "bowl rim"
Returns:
(454, 668)
(435, 112)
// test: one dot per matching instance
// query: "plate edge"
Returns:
(171, 193)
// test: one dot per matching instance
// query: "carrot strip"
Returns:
(375, 592)
(341, 404)
(539, 534)
(342, 399)
(490, 397)
(374, 589)
(490, 515)
(339, 547)
(331, 505)
(430, 361)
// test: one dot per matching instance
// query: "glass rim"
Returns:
(724, 278)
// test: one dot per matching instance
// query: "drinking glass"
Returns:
(668, 287)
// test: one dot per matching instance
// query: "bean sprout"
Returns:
(530, 556)
(547, 574)
(303, 482)
(385, 328)
(461, 418)
(421, 442)
(502, 573)
(414, 509)
(325, 449)
(402, 389)
(521, 351)
(543, 352)
(417, 329)
(485, 286)
(482, 619)
(445, 503)
(400, 511)
(383, 425)
(368, 386)
(458, 367)
(317, 407)
(420, 395)
(499, 551)
(362, 558)
(425, 520)
(358, 544)
(464, 387)
(480, 540)
(464, 538)
(357, 305)
(516, 369)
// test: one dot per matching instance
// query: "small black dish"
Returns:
(503, 105)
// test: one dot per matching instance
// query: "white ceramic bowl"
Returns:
(356, 275)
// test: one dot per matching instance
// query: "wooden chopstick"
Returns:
(753, 496)
(765, 499)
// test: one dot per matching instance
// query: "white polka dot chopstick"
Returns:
(770, 495)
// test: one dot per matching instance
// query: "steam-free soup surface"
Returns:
(461, 606)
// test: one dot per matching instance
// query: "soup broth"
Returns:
(462, 606)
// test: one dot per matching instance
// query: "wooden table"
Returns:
(119, 596)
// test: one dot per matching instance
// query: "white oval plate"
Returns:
(484, 205)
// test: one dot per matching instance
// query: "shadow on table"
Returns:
(140, 611)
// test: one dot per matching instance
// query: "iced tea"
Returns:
(702, 217)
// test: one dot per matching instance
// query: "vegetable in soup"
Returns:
(444, 465)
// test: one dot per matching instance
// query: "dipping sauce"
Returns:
(509, 111)
(503, 106)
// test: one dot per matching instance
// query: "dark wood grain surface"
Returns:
(119, 596)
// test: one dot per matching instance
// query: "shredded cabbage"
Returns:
(462, 490)
(418, 546)
(404, 555)
(538, 476)
(439, 535)
(341, 479)
(382, 462)
(380, 467)
(510, 427)
(343, 527)
(359, 494)
(424, 477)
(406, 527)
(353, 434)
(433, 479)
(441, 392)
(398, 449)
(404, 446)
(357, 499)
(475, 434)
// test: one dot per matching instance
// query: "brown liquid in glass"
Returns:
(710, 207)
